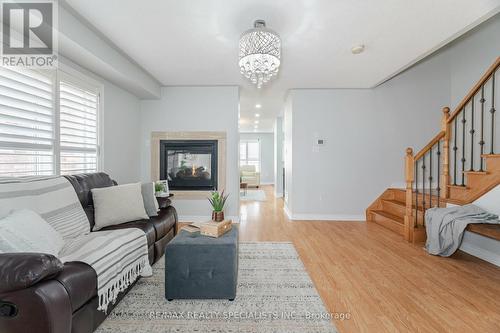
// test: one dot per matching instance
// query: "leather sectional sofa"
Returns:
(39, 294)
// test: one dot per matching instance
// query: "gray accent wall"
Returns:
(366, 131)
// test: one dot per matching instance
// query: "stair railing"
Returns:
(424, 181)
(466, 136)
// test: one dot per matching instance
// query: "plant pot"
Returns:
(217, 216)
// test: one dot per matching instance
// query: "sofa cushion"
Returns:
(164, 222)
(149, 199)
(80, 281)
(22, 270)
(85, 182)
(144, 225)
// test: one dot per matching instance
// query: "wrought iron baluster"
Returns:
(416, 192)
(430, 178)
(492, 111)
(472, 136)
(481, 142)
(455, 152)
(463, 146)
(423, 184)
(438, 188)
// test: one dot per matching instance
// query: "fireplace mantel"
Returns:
(156, 137)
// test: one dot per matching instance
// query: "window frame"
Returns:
(246, 159)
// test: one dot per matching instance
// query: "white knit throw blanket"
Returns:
(117, 256)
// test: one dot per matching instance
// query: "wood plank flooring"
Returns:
(383, 282)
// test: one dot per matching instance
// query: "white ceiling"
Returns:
(196, 42)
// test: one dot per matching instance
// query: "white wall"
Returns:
(195, 109)
(367, 131)
(279, 163)
(266, 154)
(121, 146)
(288, 131)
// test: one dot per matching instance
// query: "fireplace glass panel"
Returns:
(189, 164)
(186, 166)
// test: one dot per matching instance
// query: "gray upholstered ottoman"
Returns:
(200, 267)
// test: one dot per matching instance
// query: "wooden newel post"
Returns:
(445, 173)
(409, 174)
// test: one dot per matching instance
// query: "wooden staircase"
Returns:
(458, 166)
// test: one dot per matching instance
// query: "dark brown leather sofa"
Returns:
(39, 294)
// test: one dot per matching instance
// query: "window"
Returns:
(48, 123)
(78, 107)
(250, 153)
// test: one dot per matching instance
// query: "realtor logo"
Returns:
(28, 34)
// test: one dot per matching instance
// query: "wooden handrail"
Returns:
(431, 144)
(475, 89)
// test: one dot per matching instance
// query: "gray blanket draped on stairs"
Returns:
(445, 226)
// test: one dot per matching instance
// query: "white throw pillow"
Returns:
(118, 204)
(24, 230)
(149, 199)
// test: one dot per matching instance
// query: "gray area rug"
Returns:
(275, 294)
(253, 195)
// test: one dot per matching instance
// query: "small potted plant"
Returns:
(159, 188)
(218, 200)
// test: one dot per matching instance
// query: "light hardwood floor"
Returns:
(385, 283)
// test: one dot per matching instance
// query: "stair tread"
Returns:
(487, 230)
(459, 187)
(475, 172)
(390, 216)
(490, 155)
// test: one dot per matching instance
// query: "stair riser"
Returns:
(393, 208)
(399, 196)
(389, 224)
(492, 163)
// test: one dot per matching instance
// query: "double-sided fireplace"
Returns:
(189, 164)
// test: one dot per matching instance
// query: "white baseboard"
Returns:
(287, 211)
(328, 217)
(482, 247)
(324, 217)
(204, 218)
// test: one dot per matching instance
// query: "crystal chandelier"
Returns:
(260, 51)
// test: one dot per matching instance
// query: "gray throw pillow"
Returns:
(148, 196)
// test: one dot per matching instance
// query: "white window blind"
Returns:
(26, 123)
(78, 118)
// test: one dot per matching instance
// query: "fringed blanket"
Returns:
(445, 226)
(53, 198)
(117, 256)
